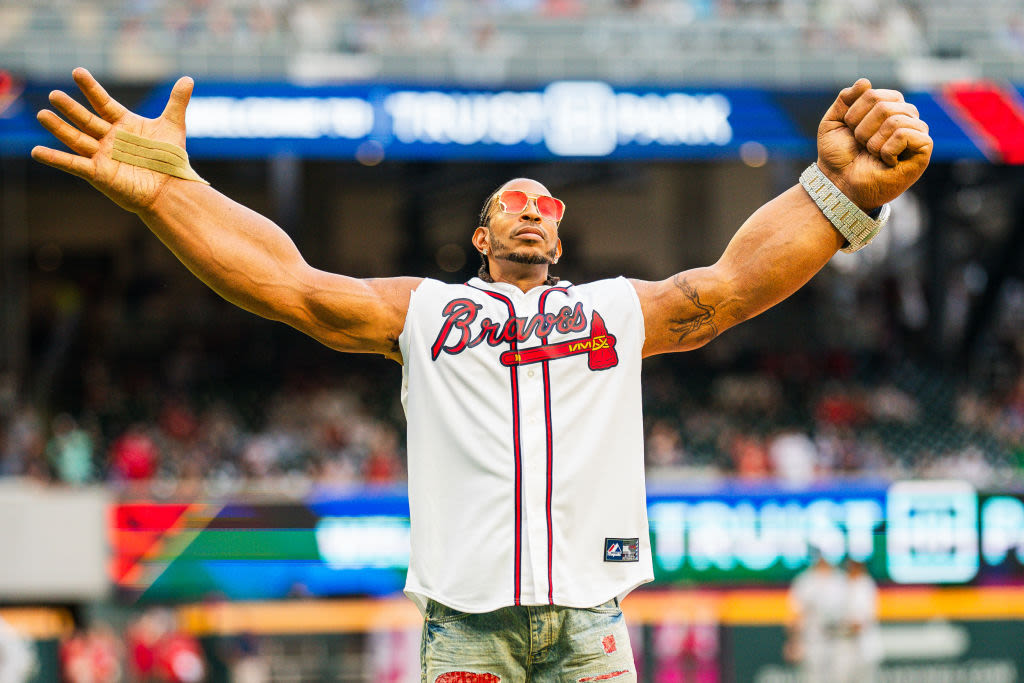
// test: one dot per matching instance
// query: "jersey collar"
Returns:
(510, 289)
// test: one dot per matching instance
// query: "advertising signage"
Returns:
(562, 120)
(919, 532)
(916, 532)
(565, 119)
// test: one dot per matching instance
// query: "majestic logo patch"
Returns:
(622, 550)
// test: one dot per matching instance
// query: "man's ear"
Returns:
(480, 239)
(558, 249)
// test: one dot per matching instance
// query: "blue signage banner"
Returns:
(572, 120)
(566, 119)
(912, 532)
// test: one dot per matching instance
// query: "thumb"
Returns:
(178, 101)
(847, 96)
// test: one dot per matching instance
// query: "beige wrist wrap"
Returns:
(162, 157)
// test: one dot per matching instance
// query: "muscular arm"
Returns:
(776, 251)
(871, 144)
(240, 254)
(252, 263)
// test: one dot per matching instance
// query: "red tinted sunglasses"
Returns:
(515, 201)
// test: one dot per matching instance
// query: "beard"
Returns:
(529, 257)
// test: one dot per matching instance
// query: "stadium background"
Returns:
(171, 463)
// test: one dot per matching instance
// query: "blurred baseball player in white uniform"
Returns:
(818, 600)
(834, 634)
(522, 391)
(861, 648)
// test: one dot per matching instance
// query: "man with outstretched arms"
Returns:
(522, 391)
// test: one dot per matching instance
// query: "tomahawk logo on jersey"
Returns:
(458, 334)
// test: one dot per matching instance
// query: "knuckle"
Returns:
(913, 124)
(890, 95)
(908, 110)
(901, 122)
(894, 140)
(889, 108)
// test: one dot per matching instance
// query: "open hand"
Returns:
(91, 138)
(872, 144)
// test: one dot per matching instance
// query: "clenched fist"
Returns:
(872, 144)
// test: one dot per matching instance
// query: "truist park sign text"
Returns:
(565, 119)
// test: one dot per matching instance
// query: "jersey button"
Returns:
(530, 373)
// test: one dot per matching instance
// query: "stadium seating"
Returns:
(721, 41)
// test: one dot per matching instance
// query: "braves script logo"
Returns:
(458, 334)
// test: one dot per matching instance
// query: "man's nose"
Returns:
(531, 212)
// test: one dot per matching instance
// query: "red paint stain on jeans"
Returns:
(466, 677)
(608, 643)
(604, 677)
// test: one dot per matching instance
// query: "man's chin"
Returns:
(528, 258)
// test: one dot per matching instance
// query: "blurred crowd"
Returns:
(895, 27)
(323, 435)
(498, 25)
(827, 422)
(792, 418)
(153, 648)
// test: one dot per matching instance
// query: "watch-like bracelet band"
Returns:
(856, 226)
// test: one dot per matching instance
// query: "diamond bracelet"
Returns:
(849, 219)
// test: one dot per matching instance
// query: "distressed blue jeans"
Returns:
(535, 644)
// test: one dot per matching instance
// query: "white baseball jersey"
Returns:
(818, 594)
(525, 443)
(862, 610)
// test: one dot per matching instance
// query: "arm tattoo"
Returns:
(703, 316)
